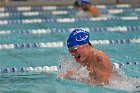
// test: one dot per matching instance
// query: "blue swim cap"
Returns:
(85, 1)
(77, 37)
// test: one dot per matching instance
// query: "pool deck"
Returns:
(61, 2)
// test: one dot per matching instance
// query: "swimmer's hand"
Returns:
(68, 74)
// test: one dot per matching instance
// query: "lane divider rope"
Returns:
(61, 12)
(66, 20)
(62, 44)
(55, 68)
(57, 30)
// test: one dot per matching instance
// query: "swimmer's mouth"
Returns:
(77, 56)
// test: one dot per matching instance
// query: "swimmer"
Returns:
(94, 66)
(96, 61)
(86, 6)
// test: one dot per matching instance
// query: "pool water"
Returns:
(39, 56)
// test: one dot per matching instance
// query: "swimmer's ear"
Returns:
(89, 43)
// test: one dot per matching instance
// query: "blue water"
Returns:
(48, 82)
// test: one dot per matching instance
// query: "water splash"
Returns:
(119, 80)
(69, 64)
(122, 82)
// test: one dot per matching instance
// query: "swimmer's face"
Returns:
(79, 52)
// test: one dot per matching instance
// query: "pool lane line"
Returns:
(61, 12)
(66, 30)
(62, 44)
(53, 69)
(67, 20)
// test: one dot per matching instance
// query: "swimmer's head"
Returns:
(77, 37)
(85, 1)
